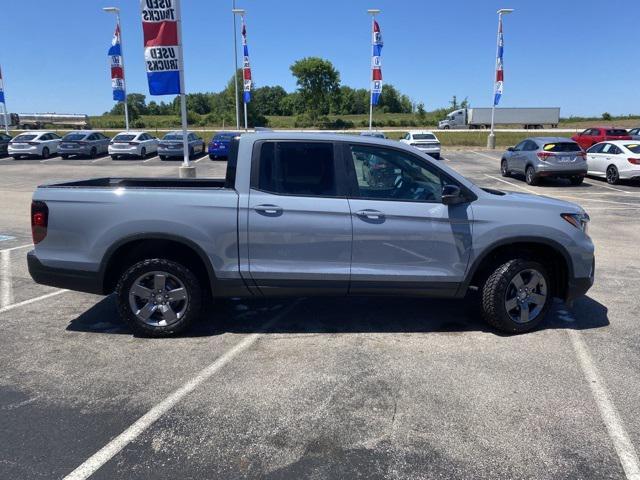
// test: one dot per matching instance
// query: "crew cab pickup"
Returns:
(299, 215)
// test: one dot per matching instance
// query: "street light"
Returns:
(491, 140)
(116, 10)
(373, 12)
(236, 11)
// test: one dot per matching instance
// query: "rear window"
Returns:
(123, 138)
(562, 147)
(172, 136)
(297, 168)
(617, 132)
(424, 136)
(634, 147)
(24, 138)
(223, 137)
(74, 137)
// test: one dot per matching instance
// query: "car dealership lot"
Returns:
(321, 388)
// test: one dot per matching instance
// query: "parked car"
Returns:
(373, 133)
(4, 143)
(615, 161)
(634, 133)
(132, 144)
(171, 145)
(219, 145)
(543, 157)
(591, 136)
(34, 144)
(424, 141)
(83, 143)
(294, 218)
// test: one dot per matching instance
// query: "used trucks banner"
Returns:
(161, 53)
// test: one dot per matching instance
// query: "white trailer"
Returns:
(39, 120)
(481, 118)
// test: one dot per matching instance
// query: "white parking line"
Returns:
(150, 159)
(485, 155)
(17, 248)
(609, 187)
(31, 300)
(512, 184)
(52, 159)
(615, 427)
(6, 288)
(106, 453)
(200, 159)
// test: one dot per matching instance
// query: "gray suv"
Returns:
(83, 143)
(539, 157)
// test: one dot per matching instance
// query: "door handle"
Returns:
(268, 209)
(370, 214)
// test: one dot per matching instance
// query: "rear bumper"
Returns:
(73, 151)
(630, 174)
(170, 152)
(78, 280)
(563, 173)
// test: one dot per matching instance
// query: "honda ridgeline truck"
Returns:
(300, 215)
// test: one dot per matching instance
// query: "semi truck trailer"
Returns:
(528, 118)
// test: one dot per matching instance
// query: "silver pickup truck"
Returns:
(309, 214)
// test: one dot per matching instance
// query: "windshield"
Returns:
(424, 136)
(617, 132)
(562, 147)
(74, 136)
(24, 138)
(123, 138)
(634, 147)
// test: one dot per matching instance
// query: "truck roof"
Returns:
(331, 137)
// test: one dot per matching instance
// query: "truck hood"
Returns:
(542, 201)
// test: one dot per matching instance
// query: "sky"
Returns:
(581, 56)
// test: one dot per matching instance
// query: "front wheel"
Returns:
(613, 177)
(159, 297)
(576, 180)
(516, 296)
(504, 170)
(530, 176)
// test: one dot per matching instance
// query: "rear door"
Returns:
(517, 160)
(594, 163)
(404, 238)
(299, 223)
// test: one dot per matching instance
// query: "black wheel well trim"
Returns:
(515, 240)
(108, 256)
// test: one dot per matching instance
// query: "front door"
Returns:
(299, 224)
(404, 238)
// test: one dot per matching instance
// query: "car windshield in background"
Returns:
(74, 137)
(172, 137)
(634, 147)
(617, 132)
(24, 138)
(123, 138)
(562, 147)
(424, 136)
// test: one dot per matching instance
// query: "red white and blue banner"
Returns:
(161, 53)
(499, 66)
(117, 69)
(246, 66)
(376, 64)
(1, 88)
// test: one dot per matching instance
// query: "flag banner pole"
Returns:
(117, 70)
(376, 65)
(246, 71)
(4, 104)
(499, 82)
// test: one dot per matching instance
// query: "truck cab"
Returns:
(455, 119)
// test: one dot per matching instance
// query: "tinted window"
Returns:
(562, 147)
(93, 136)
(519, 147)
(616, 132)
(634, 147)
(172, 136)
(388, 174)
(123, 138)
(74, 137)
(223, 137)
(606, 148)
(24, 138)
(297, 168)
(424, 136)
(55, 136)
(615, 150)
(530, 146)
(597, 148)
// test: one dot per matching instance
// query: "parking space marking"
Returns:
(610, 416)
(19, 247)
(485, 155)
(106, 453)
(6, 288)
(609, 187)
(31, 300)
(512, 184)
(200, 159)
(52, 159)
(150, 159)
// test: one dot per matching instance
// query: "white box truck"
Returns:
(527, 118)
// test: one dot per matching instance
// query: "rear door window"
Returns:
(597, 148)
(297, 168)
(617, 132)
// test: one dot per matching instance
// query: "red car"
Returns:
(591, 136)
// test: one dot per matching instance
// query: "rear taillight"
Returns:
(581, 154)
(544, 155)
(34, 143)
(39, 221)
(635, 161)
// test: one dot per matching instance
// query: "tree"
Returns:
(454, 103)
(606, 116)
(317, 81)
(267, 100)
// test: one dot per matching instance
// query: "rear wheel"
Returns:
(64, 156)
(613, 177)
(530, 176)
(17, 157)
(504, 170)
(143, 152)
(45, 152)
(159, 297)
(191, 153)
(93, 153)
(115, 157)
(163, 157)
(576, 180)
(516, 296)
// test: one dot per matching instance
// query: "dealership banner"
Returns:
(376, 64)
(161, 53)
(246, 66)
(1, 88)
(117, 69)
(499, 66)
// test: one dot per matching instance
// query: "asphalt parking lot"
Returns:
(320, 388)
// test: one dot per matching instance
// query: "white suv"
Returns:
(133, 144)
(424, 141)
(34, 144)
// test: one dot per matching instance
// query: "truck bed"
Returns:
(133, 182)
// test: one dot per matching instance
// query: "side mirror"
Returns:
(511, 149)
(451, 195)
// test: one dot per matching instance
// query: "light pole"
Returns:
(236, 11)
(373, 12)
(491, 140)
(116, 10)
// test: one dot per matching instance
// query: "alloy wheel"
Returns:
(526, 296)
(158, 298)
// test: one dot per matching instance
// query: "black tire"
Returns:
(193, 300)
(17, 157)
(530, 176)
(504, 171)
(93, 153)
(212, 157)
(191, 153)
(613, 176)
(496, 289)
(45, 153)
(447, 127)
(64, 156)
(143, 153)
(163, 157)
(576, 180)
(115, 157)
(435, 155)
